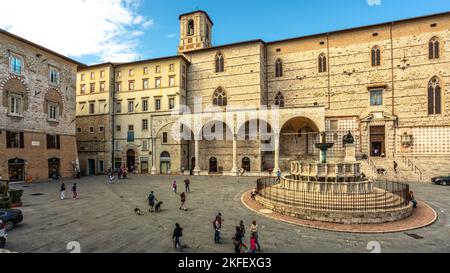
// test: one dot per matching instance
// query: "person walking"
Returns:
(182, 170)
(278, 175)
(151, 201)
(242, 228)
(177, 234)
(75, 191)
(237, 240)
(174, 186)
(63, 191)
(187, 184)
(252, 244)
(183, 201)
(217, 229)
(395, 167)
(254, 233)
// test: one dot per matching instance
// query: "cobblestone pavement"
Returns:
(103, 219)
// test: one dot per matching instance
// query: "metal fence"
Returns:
(387, 195)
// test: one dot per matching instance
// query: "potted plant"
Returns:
(5, 203)
(16, 198)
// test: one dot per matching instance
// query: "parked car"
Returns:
(441, 180)
(3, 235)
(11, 217)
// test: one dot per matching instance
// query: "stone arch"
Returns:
(14, 85)
(52, 95)
(220, 97)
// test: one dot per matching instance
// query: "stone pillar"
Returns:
(197, 157)
(154, 170)
(276, 163)
(234, 170)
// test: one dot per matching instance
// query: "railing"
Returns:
(386, 196)
(413, 167)
(372, 165)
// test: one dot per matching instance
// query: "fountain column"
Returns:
(197, 157)
(234, 170)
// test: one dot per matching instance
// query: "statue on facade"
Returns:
(349, 139)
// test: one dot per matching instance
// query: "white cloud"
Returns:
(374, 2)
(171, 35)
(108, 29)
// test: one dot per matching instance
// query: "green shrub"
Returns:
(5, 204)
(2, 189)
(16, 196)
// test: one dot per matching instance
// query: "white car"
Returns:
(3, 235)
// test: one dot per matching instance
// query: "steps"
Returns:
(403, 174)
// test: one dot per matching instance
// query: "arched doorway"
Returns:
(246, 164)
(54, 167)
(213, 165)
(165, 163)
(131, 159)
(16, 168)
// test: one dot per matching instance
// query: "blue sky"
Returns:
(126, 30)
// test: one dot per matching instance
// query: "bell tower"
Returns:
(195, 31)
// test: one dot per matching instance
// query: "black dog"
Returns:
(137, 211)
(158, 206)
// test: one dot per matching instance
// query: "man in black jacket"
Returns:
(177, 234)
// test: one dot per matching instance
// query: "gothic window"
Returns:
(376, 56)
(433, 48)
(190, 30)
(434, 96)
(322, 63)
(279, 100)
(279, 68)
(220, 97)
(220, 65)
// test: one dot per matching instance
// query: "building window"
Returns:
(145, 84)
(158, 83)
(131, 72)
(220, 64)
(91, 129)
(144, 124)
(158, 69)
(14, 140)
(130, 128)
(131, 85)
(434, 96)
(102, 86)
(102, 74)
(78, 130)
(54, 76)
(144, 145)
(83, 77)
(119, 107)
(171, 67)
(183, 82)
(101, 129)
(220, 97)
(53, 111)
(83, 89)
(145, 72)
(144, 105)
(15, 105)
(119, 74)
(91, 107)
(190, 28)
(172, 81)
(118, 128)
(53, 142)
(433, 48)
(279, 68)
(92, 75)
(322, 63)
(171, 103)
(376, 97)
(279, 100)
(158, 104)
(130, 106)
(164, 138)
(334, 125)
(376, 56)
(92, 88)
(118, 86)
(16, 64)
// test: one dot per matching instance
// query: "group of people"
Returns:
(122, 173)
(239, 236)
(63, 191)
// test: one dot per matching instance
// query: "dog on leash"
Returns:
(138, 211)
(158, 206)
